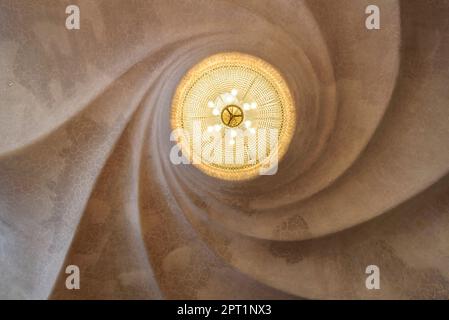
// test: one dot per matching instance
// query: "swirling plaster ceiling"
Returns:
(86, 179)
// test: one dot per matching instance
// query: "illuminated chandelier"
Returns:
(236, 115)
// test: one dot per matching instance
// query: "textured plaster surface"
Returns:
(86, 179)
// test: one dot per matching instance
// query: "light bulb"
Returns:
(215, 112)
(253, 105)
(234, 92)
(246, 106)
(209, 129)
(247, 123)
(229, 98)
(210, 104)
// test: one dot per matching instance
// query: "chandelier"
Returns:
(236, 115)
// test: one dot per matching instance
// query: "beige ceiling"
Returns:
(86, 179)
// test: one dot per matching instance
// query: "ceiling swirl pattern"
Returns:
(86, 176)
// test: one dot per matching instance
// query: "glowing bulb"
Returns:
(233, 133)
(253, 105)
(210, 104)
(247, 123)
(234, 92)
(216, 112)
(232, 142)
(252, 130)
(246, 106)
(217, 127)
(229, 98)
(209, 129)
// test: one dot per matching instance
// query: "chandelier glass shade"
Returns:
(236, 115)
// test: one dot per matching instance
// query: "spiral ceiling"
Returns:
(86, 177)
